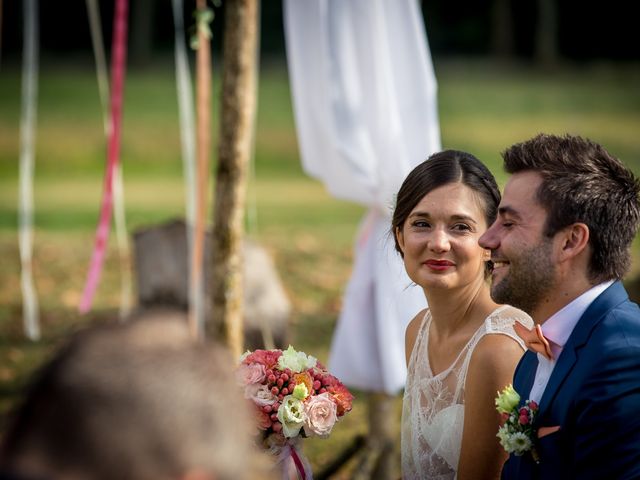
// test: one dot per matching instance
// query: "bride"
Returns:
(462, 349)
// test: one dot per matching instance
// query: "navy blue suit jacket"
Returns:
(593, 395)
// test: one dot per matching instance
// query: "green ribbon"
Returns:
(203, 19)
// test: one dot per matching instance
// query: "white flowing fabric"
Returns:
(28, 123)
(188, 143)
(364, 98)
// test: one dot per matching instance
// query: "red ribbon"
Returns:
(298, 462)
(118, 63)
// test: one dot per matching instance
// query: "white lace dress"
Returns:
(433, 406)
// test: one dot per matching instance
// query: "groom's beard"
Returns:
(529, 278)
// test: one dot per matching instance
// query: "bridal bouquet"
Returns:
(294, 396)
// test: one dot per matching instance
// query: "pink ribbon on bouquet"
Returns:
(298, 463)
(290, 456)
(118, 62)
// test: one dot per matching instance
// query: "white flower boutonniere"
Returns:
(516, 433)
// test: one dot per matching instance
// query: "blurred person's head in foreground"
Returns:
(140, 401)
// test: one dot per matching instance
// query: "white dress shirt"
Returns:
(557, 330)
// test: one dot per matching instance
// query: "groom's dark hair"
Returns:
(584, 183)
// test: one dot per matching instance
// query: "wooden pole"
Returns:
(237, 111)
(203, 107)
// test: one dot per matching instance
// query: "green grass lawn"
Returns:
(483, 109)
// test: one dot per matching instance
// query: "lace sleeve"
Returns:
(502, 320)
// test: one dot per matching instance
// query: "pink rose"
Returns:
(524, 419)
(321, 415)
(250, 374)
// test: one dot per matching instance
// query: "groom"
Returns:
(560, 247)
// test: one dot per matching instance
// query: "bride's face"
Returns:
(439, 239)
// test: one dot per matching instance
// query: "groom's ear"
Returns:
(574, 240)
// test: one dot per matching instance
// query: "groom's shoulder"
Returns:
(620, 327)
(614, 302)
(625, 317)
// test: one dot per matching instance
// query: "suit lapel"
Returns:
(525, 374)
(607, 300)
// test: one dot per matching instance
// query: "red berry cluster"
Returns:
(281, 384)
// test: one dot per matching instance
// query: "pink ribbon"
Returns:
(118, 62)
(298, 463)
(289, 458)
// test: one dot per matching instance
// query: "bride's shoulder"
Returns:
(414, 324)
(412, 331)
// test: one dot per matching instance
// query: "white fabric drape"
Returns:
(364, 98)
(28, 124)
(188, 143)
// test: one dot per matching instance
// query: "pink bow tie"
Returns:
(534, 339)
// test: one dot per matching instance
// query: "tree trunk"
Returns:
(238, 106)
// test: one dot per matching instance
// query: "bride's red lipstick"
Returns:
(439, 265)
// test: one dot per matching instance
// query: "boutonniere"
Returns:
(516, 433)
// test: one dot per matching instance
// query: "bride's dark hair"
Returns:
(442, 168)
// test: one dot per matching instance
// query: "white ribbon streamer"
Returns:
(122, 240)
(186, 114)
(101, 60)
(187, 139)
(27, 144)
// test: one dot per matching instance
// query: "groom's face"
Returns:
(524, 268)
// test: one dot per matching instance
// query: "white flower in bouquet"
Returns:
(296, 361)
(260, 395)
(291, 415)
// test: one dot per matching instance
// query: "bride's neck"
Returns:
(453, 310)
